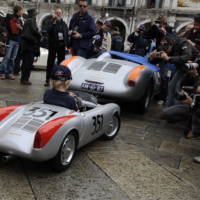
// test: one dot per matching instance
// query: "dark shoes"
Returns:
(26, 83)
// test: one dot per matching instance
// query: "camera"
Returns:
(181, 96)
(75, 30)
(158, 54)
(191, 65)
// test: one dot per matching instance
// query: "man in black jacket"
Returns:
(82, 29)
(193, 35)
(117, 40)
(30, 46)
(58, 40)
(175, 51)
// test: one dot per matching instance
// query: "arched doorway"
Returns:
(115, 21)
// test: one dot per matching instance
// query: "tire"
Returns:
(66, 153)
(114, 127)
(144, 102)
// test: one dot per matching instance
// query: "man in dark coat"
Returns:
(58, 40)
(82, 29)
(30, 46)
(117, 40)
(193, 35)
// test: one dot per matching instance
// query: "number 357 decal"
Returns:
(97, 123)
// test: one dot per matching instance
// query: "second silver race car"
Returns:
(117, 76)
(43, 132)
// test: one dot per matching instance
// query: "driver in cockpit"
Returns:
(58, 95)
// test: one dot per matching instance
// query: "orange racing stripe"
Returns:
(68, 60)
(135, 72)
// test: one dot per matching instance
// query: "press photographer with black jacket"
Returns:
(175, 51)
(188, 109)
(57, 42)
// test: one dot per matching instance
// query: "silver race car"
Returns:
(43, 132)
(117, 76)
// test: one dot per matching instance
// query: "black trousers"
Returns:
(54, 52)
(27, 64)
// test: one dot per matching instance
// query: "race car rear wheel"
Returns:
(66, 153)
(114, 126)
(144, 102)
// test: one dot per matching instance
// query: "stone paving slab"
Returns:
(141, 178)
(187, 171)
(14, 184)
(82, 180)
(179, 149)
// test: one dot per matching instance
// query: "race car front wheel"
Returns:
(113, 128)
(66, 153)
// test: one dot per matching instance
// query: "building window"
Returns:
(89, 2)
(116, 3)
(154, 3)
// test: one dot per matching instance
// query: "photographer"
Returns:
(57, 31)
(188, 110)
(159, 28)
(175, 51)
(193, 35)
(81, 30)
(140, 45)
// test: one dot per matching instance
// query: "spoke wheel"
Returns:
(66, 153)
(113, 128)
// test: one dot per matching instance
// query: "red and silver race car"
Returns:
(42, 132)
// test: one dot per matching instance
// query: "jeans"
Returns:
(172, 89)
(7, 65)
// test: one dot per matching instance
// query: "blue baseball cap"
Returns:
(61, 73)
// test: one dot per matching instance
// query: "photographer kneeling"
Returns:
(188, 95)
(175, 51)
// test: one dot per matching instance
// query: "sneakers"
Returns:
(26, 83)
(197, 159)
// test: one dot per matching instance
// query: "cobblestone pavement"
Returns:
(148, 160)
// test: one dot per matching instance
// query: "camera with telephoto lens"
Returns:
(191, 65)
(181, 96)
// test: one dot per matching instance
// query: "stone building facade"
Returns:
(127, 14)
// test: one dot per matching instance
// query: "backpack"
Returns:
(7, 22)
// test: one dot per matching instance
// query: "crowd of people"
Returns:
(177, 55)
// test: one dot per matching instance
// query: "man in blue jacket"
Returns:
(82, 29)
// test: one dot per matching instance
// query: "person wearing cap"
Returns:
(140, 45)
(193, 35)
(81, 30)
(58, 95)
(30, 48)
(117, 40)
